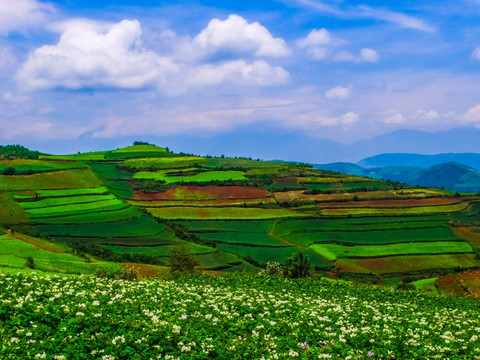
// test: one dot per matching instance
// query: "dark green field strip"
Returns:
(157, 251)
(140, 226)
(242, 163)
(113, 155)
(78, 157)
(251, 226)
(372, 237)
(76, 209)
(245, 238)
(166, 237)
(110, 171)
(334, 251)
(44, 166)
(121, 188)
(410, 263)
(470, 215)
(128, 213)
(61, 201)
(62, 179)
(285, 227)
(264, 255)
(339, 186)
(219, 261)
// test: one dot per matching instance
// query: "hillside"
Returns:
(133, 204)
(420, 161)
(452, 176)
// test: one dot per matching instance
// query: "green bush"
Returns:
(182, 260)
(297, 266)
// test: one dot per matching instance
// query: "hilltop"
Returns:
(84, 212)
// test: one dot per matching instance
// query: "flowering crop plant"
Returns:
(229, 317)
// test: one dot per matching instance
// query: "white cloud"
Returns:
(472, 115)
(338, 93)
(22, 14)
(316, 43)
(88, 55)
(476, 53)
(100, 56)
(396, 118)
(237, 35)
(365, 55)
(424, 116)
(238, 71)
(398, 18)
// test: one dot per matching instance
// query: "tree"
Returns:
(9, 171)
(297, 266)
(181, 259)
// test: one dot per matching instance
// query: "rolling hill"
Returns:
(132, 205)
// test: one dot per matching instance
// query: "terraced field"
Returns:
(133, 204)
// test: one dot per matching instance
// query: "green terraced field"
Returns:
(39, 165)
(245, 238)
(334, 251)
(76, 209)
(200, 177)
(109, 171)
(59, 201)
(420, 210)
(92, 156)
(72, 192)
(163, 163)
(139, 226)
(250, 226)
(348, 186)
(105, 216)
(220, 213)
(370, 237)
(63, 179)
(410, 263)
(220, 260)
(242, 163)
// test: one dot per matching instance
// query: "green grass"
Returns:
(200, 177)
(105, 216)
(372, 237)
(251, 226)
(62, 179)
(246, 238)
(139, 226)
(219, 213)
(334, 251)
(141, 149)
(76, 209)
(157, 251)
(426, 286)
(10, 211)
(60, 201)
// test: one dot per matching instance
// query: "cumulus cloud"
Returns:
(22, 14)
(96, 55)
(338, 93)
(316, 43)
(237, 35)
(320, 45)
(472, 115)
(425, 116)
(88, 55)
(365, 55)
(395, 119)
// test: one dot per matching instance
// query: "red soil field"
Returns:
(464, 283)
(204, 193)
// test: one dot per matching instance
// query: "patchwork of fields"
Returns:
(134, 204)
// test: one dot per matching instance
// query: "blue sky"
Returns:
(80, 74)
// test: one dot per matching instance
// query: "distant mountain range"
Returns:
(270, 143)
(457, 172)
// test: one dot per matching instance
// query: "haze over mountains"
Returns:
(290, 146)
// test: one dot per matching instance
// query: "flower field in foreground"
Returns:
(231, 317)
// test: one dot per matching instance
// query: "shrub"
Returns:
(30, 263)
(297, 266)
(182, 260)
(272, 268)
